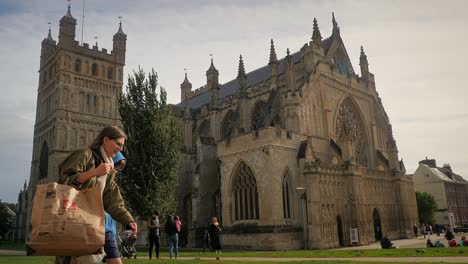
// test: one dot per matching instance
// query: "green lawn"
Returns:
(195, 254)
(50, 260)
(401, 252)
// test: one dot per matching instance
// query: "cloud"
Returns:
(415, 49)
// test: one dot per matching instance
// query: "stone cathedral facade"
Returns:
(296, 154)
(77, 97)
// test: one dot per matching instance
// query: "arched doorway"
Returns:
(339, 226)
(377, 225)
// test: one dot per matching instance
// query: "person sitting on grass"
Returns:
(463, 242)
(386, 243)
(439, 243)
(453, 243)
(429, 243)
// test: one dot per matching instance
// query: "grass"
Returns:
(401, 252)
(50, 260)
(195, 254)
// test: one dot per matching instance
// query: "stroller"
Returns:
(127, 248)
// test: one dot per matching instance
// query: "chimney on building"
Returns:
(429, 162)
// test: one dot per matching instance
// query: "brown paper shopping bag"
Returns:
(65, 221)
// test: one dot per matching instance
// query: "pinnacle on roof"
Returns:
(288, 56)
(186, 81)
(49, 36)
(316, 36)
(69, 13)
(336, 28)
(212, 67)
(120, 31)
(363, 56)
(241, 72)
(273, 58)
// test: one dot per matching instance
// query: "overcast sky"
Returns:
(416, 49)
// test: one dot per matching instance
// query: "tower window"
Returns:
(78, 65)
(109, 73)
(94, 69)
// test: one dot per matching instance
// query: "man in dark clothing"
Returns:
(153, 228)
(386, 243)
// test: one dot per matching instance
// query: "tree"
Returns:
(427, 205)
(7, 219)
(149, 180)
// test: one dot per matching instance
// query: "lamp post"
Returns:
(305, 232)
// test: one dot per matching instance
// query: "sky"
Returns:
(415, 48)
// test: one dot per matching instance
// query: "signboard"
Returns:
(353, 232)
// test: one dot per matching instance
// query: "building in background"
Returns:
(296, 154)
(449, 189)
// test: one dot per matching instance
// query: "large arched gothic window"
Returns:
(227, 128)
(44, 161)
(287, 196)
(350, 127)
(244, 194)
(259, 115)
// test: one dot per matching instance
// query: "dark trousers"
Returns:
(153, 240)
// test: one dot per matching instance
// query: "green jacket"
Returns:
(84, 160)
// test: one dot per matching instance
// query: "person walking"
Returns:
(93, 166)
(153, 234)
(172, 236)
(415, 230)
(214, 232)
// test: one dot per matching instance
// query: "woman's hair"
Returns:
(111, 132)
(176, 217)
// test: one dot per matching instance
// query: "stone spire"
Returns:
(316, 36)
(212, 75)
(364, 64)
(67, 29)
(336, 28)
(273, 58)
(288, 56)
(242, 78)
(212, 68)
(119, 44)
(241, 72)
(120, 31)
(185, 88)
(69, 13)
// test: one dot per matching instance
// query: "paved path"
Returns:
(4, 252)
(381, 259)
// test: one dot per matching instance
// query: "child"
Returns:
(178, 223)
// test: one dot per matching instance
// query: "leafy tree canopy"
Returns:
(7, 219)
(149, 180)
(427, 205)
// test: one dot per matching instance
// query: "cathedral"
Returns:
(77, 97)
(296, 154)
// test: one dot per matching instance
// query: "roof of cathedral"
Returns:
(254, 77)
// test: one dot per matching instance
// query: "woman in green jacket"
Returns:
(91, 166)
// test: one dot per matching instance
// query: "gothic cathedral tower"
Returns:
(77, 97)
